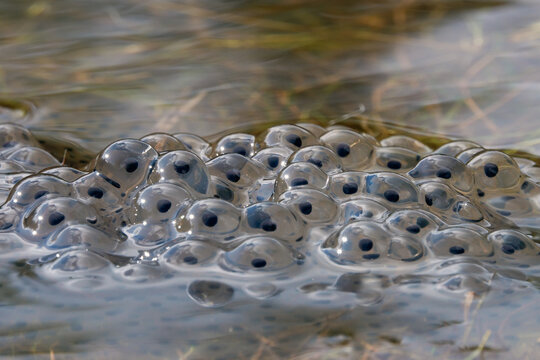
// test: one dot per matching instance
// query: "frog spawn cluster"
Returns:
(261, 206)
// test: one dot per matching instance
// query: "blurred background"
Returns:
(96, 70)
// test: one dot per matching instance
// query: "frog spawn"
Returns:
(265, 209)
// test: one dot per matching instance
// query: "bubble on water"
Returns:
(310, 205)
(300, 175)
(259, 254)
(262, 290)
(494, 170)
(140, 273)
(159, 203)
(355, 150)
(242, 144)
(357, 243)
(320, 156)
(191, 255)
(405, 142)
(210, 293)
(393, 188)
(291, 136)
(126, 164)
(33, 158)
(367, 288)
(457, 276)
(162, 142)
(459, 241)
(445, 169)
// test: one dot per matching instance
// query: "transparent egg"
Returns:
(211, 218)
(273, 219)
(305, 175)
(79, 261)
(65, 173)
(395, 159)
(13, 136)
(406, 142)
(393, 188)
(159, 203)
(347, 185)
(54, 214)
(412, 223)
(33, 158)
(162, 142)
(98, 192)
(242, 144)
(126, 164)
(513, 244)
(365, 209)
(195, 144)
(354, 150)
(237, 170)
(259, 254)
(405, 248)
(445, 169)
(183, 168)
(494, 170)
(34, 188)
(356, 243)
(320, 156)
(274, 158)
(191, 255)
(10, 167)
(310, 205)
(459, 241)
(82, 236)
(456, 147)
(291, 136)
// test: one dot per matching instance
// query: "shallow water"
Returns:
(254, 243)
(83, 74)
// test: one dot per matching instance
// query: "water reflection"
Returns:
(99, 70)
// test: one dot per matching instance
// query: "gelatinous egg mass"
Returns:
(299, 208)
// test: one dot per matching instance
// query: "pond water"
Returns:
(446, 264)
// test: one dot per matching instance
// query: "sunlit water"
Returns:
(389, 250)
